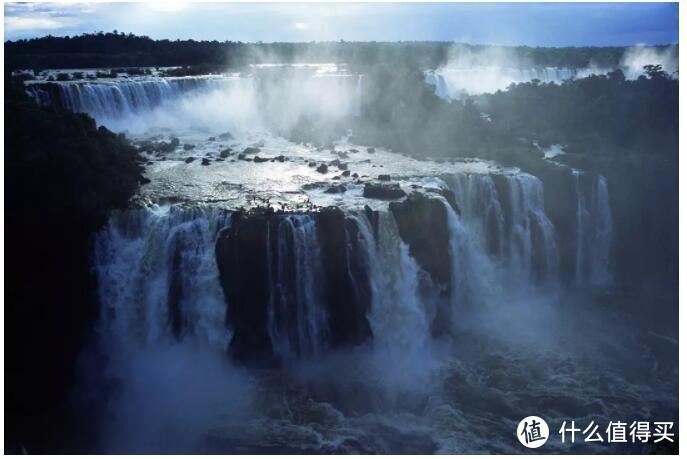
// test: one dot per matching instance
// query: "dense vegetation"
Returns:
(62, 176)
(624, 129)
(128, 50)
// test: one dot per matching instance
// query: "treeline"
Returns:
(591, 114)
(128, 50)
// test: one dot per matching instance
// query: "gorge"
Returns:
(284, 281)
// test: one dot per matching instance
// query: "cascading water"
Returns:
(359, 96)
(399, 317)
(532, 242)
(298, 322)
(593, 230)
(455, 82)
(481, 209)
(149, 102)
(158, 279)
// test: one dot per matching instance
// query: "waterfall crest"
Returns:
(157, 276)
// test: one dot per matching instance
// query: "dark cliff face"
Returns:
(346, 283)
(423, 225)
(62, 177)
(244, 274)
(247, 262)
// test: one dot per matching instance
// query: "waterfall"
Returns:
(157, 277)
(452, 82)
(481, 209)
(399, 317)
(603, 234)
(593, 230)
(359, 96)
(113, 100)
(205, 101)
(298, 321)
(532, 243)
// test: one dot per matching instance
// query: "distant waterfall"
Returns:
(359, 96)
(113, 100)
(157, 277)
(297, 318)
(399, 317)
(455, 82)
(594, 230)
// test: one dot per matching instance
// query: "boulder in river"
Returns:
(322, 168)
(205, 162)
(258, 159)
(384, 177)
(189, 160)
(251, 150)
(335, 189)
(370, 150)
(383, 191)
(225, 153)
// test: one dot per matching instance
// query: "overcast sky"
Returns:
(533, 24)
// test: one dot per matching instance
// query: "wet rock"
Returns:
(312, 164)
(418, 217)
(449, 195)
(353, 150)
(242, 156)
(225, 136)
(383, 191)
(281, 158)
(219, 159)
(225, 153)
(384, 177)
(211, 139)
(334, 162)
(244, 276)
(345, 280)
(188, 147)
(370, 150)
(335, 189)
(343, 166)
(322, 168)
(342, 154)
(258, 159)
(346, 173)
(355, 175)
(143, 180)
(205, 162)
(251, 150)
(189, 160)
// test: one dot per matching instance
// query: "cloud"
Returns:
(17, 23)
